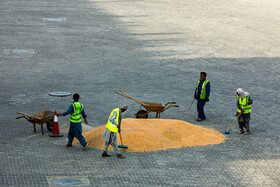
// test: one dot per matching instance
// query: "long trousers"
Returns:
(200, 108)
(113, 142)
(75, 130)
(244, 124)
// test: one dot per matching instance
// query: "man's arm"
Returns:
(207, 91)
(69, 110)
(250, 100)
(84, 116)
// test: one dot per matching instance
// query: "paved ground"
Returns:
(153, 50)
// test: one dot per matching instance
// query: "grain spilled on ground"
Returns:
(143, 135)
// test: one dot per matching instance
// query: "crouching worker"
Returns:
(243, 100)
(76, 111)
(113, 126)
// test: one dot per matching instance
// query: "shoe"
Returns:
(104, 154)
(121, 156)
(241, 131)
(68, 146)
(85, 147)
(200, 119)
(247, 132)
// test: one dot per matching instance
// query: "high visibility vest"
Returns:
(203, 89)
(243, 103)
(75, 117)
(112, 127)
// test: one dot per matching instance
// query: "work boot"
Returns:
(121, 156)
(199, 119)
(68, 146)
(104, 154)
(85, 146)
(241, 131)
(247, 132)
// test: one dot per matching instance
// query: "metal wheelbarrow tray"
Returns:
(149, 106)
(39, 118)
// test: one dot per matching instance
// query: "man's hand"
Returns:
(86, 120)
(59, 114)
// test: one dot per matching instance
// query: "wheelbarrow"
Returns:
(149, 106)
(40, 118)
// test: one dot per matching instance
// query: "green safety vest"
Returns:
(243, 103)
(75, 117)
(112, 127)
(203, 89)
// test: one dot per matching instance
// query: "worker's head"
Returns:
(123, 107)
(203, 76)
(76, 97)
(240, 93)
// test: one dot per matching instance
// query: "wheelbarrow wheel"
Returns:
(50, 125)
(142, 114)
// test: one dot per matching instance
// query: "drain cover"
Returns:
(67, 182)
(59, 94)
(19, 51)
(55, 19)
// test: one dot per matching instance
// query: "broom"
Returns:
(121, 145)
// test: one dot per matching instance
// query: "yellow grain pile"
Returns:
(143, 135)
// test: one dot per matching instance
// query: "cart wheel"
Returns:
(50, 125)
(142, 114)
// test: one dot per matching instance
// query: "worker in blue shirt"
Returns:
(76, 111)
(202, 95)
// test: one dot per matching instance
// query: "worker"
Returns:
(76, 111)
(113, 126)
(202, 95)
(243, 100)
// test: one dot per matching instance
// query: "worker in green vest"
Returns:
(244, 102)
(202, 95)
(76, 111)
(113, 126)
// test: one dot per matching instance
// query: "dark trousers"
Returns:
(75, 130)
(200, 108)
(244, 124)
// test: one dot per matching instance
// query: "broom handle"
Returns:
(188, 110)
(238, 117)
(121, 138)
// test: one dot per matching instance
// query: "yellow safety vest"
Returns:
(203, 89)
(243, 103)
(112, 127)
(75, 117)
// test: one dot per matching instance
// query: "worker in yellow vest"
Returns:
(243, 100)
(202, 95)
(76, 111)
(113, 126)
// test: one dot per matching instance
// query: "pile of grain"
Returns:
(143, 135)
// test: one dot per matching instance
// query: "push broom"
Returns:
(121, 145)
(227, 131)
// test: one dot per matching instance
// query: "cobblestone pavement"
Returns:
(154, 51)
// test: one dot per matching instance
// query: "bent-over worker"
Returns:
(76, 111)
(202, 95)
(243, 99)
(113, 126)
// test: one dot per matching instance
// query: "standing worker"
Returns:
(243, 100)
(202, 95)
(76, 111)
(113, 126)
